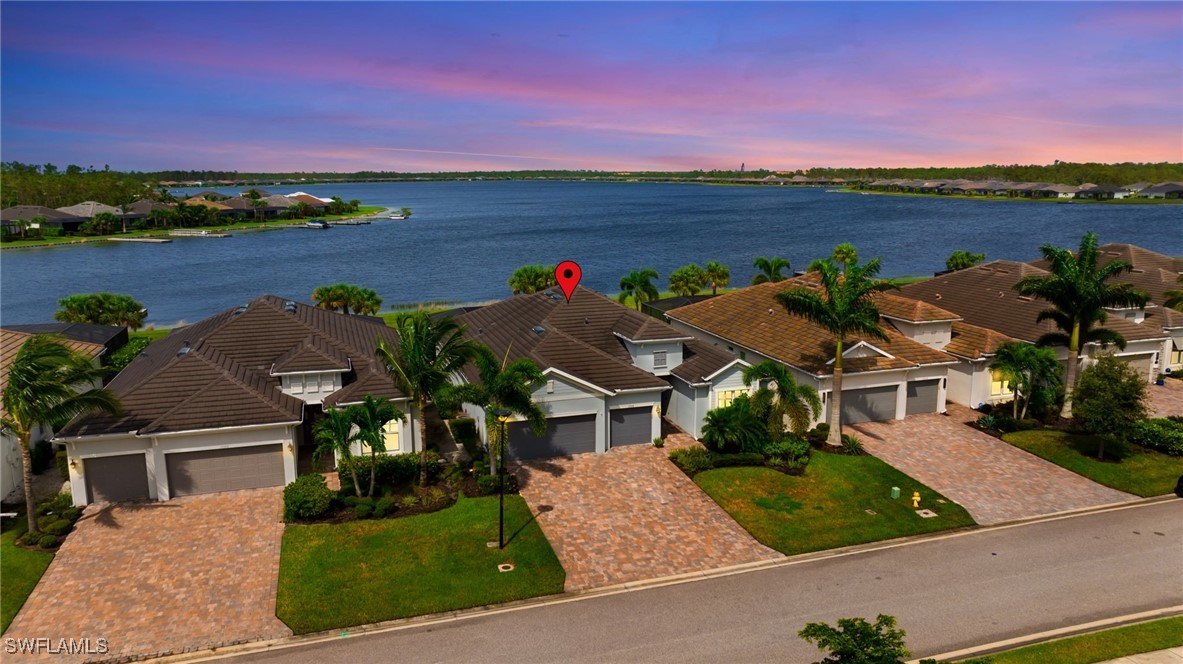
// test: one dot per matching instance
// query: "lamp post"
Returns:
(502, 417)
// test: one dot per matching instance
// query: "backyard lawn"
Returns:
(1141, 472)
(827, 506)
(337, 575)
(20, 570)
(1100, 646)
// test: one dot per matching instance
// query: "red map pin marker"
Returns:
(568, 275)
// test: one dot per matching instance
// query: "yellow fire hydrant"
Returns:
(916, 499)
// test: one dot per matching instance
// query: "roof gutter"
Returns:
(640, 390)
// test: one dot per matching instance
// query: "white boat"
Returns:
(397, 215)
(316, 224)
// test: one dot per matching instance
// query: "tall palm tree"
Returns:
(637, 286)
(1175, 297)
(845, 255)
(842, 306)
(333, 298)
(428, 352)
(504, 385)
(783, 399)
(364, 301)
(1026, 368)
(371, 417)
(688, 279)
(770, 269)
(1078, 294)
(48, 385)
(335, 434)
(718, 276)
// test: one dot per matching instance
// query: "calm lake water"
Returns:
(465, 239)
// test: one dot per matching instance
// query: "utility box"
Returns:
(895, 492)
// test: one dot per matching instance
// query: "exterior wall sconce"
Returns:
(291, 447)
(657, 410)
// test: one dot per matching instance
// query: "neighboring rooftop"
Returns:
(89, 209)
(11, 341)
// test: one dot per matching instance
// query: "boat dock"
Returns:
(195, 233)
(146, 240)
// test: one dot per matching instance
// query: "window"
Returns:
(725, 397)
(998, 384)
(1176, 357)
(390, 435)
(659, 361)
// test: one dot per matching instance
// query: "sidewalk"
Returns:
(1171, 656)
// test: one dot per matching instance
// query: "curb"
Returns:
(399, 624)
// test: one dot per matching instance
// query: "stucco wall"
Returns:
(642, 355)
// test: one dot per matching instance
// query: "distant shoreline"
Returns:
(1024, 199)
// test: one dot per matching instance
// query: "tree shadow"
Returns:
(533, 517)
(525, 469)
(1116, 451)
(105, 515)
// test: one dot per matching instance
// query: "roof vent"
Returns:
(586, 321)
(290, 306)
(938, 296)
(184, 349)
(480, 331)
(770, 311)
(538, 329)
(241, 309)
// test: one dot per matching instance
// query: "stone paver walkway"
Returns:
(157, 578)
(1167, 399)
(991, 479)
(630, 515)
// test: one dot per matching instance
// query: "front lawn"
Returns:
(827, 506)
(1100, 646)
(338, 575)
(1141, 472)
(20, 570)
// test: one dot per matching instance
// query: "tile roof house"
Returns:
(228, 403)
(52, 218)
(89, 209)
(11, 341)
(881, 380)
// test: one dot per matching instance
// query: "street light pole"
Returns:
(502, 418)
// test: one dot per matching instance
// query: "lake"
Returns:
(465, 238)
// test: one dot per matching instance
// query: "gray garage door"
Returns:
(1141, 364)
(871, 404)
(631, 426)
(564, 435)
(210, 471)
(922, 396)
(115, 478)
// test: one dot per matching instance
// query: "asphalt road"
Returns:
(948, 594)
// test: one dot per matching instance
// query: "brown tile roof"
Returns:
(11, 342)
(973, 342)
(581, 338)
(751, 317)
(30, 212)
(197, 200)
(984, 295)
(224, 378)
(700, 360)
(310, 200)
(1153, 272)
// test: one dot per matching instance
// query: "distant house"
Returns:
(89, 209)
(1054, 191)
(1102, 192)
(142, 208)
(1136, 187)
(310, 200)
(52, 218)
(197, 200)
(110, 337)
(1164, 190)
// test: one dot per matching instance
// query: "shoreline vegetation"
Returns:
(1022, 199)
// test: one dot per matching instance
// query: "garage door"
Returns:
(631, 426)
(1141, 364)
(922, 396)
(210, 471)
(871, 404)
(564, 435)
(116, 478)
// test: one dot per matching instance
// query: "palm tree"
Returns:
(734, 428)
(335, 434)
(637, 286)
(364, 301)
(504, 385)
(718, 276)
(1078, 295)
(333, 298)
(688, 279)
(48, 385)
(371, 417)
(532, 279)
(846, 255)
(1175, 297)
(842, 306)
(1026, 368)
(422, 363)
(770, 269)
(783, 399)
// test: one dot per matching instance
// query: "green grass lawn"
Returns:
(337, 575)
(826, 507)
(20, 570)
(1100, 646)
(1141, 472)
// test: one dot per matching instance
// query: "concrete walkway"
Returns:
(1172, 656)
(631, 515)
(991, 479)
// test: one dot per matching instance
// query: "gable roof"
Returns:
(89, 209)
(581, 338)
(973, 342)
(701, 361)
(218, 372)
(751, 317)
(11, 341)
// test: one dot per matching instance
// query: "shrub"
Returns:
(42, 456)
(1110, 398)
(123, 357)
(437, 495)
(819, 434)
(306, 498)
(58, 528)
(63, 463)
(788, 449)
(47, 541)
(736, 428)
(410, 501)
(659, 442)
(465, 432)
(692, 460)
(29, 539)
(489, 484)
(392, 469)
(855, 641)
(987, 422)
(363, 510)
(350, 501)
(1161, 434)
(852, 445)
(1005, 423)
(1028, 424)
(383, 506)
(71, 513)
(741, 459)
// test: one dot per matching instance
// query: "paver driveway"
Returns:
(991, 479)
(152, 578)
(630, 515)
(1167, 399)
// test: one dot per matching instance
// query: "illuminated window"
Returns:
(390, 435)
(725, 397)
(998, 384)
(1176, 357)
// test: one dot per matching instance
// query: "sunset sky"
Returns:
(607, 86)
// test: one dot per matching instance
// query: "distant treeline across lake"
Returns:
(465, 238)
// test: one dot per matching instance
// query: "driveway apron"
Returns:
(994, 481)
(630, 515)
(1166, 399)
(167, 577)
